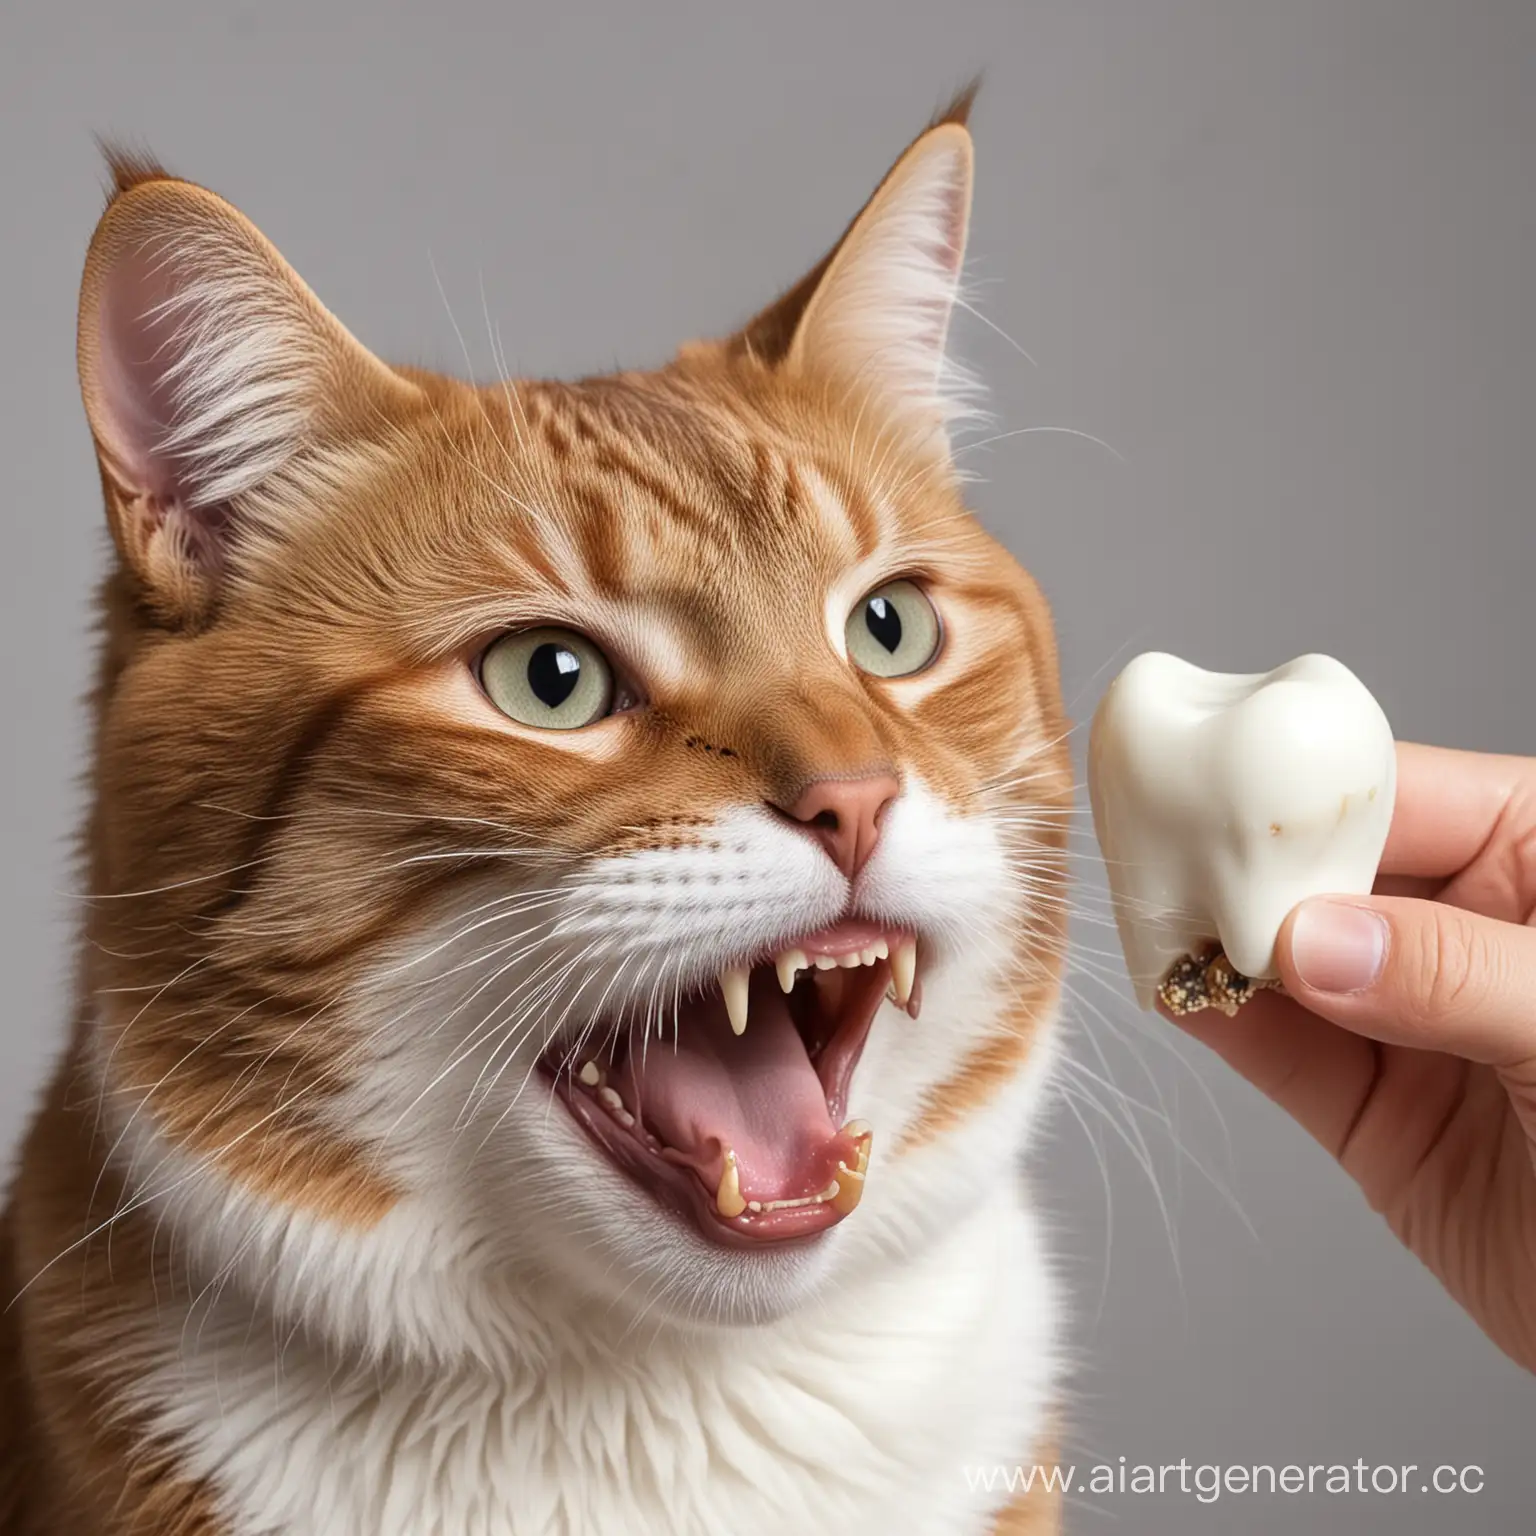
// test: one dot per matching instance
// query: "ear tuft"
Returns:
(958, 111)
(129, 168)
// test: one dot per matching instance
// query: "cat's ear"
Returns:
(210, 375)
(875, 311)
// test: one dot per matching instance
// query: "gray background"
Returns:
(1277, 254)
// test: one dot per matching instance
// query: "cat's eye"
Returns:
(551, 678)
(893, 631)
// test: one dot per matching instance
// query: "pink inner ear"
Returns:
(138, 348)
(947, 252)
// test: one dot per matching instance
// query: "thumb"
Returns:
(1415, 973)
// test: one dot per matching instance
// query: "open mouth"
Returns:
(738, 1120)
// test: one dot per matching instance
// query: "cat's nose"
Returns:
(844, 816)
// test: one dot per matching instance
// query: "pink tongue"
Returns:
(756, 1093)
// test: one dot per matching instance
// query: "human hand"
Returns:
(1405, 1040)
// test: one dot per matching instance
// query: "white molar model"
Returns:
(1221, 800)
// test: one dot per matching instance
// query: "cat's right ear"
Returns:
(211, 377)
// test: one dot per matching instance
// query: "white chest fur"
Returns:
(860, 1414)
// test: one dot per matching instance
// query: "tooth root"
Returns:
(903, 970)
(788, 965)
(728, 1199)
(733, 985)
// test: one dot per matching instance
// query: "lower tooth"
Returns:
(848, 1189)
(819, 1198)
(591, 1074)
(728, 1199)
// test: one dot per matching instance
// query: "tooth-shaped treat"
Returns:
(1222, 799)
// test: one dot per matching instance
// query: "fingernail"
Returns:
(1337, 947)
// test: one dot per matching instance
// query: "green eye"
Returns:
(551, 678)
(893, 631)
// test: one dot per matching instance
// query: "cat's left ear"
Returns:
(875, 312)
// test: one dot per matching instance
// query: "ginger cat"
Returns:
(576, 904)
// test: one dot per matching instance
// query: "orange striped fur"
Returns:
(295, 776)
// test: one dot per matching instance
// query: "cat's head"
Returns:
(604, 834)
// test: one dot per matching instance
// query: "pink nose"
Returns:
(844, 815)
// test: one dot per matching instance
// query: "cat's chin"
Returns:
(734, 1119)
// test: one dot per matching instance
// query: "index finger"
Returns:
(1448, 804)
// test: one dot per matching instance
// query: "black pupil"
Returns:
(553, 673)
(883, 622)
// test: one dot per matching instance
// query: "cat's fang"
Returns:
(903, 971)
(1222, 800)
(850, 1190)
(788, 965)
(733, 986)
(848, 1187)
(728, 1200)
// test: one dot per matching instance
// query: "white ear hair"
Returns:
(209, 366)
(209, 371)
(201, 352)
(880, 316)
